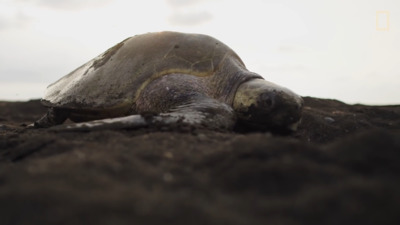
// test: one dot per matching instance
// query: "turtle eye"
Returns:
(267, 100)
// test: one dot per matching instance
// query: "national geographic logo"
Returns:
(382, 20)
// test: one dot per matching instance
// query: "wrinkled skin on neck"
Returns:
(263, 105)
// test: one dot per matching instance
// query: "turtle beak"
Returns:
(293, 127)
(299, 108)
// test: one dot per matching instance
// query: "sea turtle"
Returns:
(166, 78)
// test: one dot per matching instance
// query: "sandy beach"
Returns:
(342, 166)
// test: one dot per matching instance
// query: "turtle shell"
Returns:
(115, 79)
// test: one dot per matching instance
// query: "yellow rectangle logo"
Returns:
(382, 20)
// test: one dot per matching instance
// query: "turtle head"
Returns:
(260, 104)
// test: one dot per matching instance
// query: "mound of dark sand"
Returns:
(341, 167)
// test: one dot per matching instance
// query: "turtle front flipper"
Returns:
(207, 112)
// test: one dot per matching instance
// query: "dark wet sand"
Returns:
(341, 167)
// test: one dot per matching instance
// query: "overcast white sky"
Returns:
(327, 49)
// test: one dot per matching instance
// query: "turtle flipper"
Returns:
(207, 113)
(133, 121)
